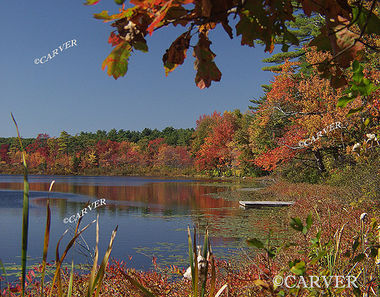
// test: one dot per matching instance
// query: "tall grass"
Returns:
(199, 275)
(46, 240)
(96, 277)
(25, 213)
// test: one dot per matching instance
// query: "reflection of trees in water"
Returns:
(228, 224)
(224, 218)
(164, 198)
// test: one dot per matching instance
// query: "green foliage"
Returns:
(281, 57)
(266, 246)
(117, 61)
(297, 224)
(73, 143)
(304, 28)
(359, 86)
(63, 142)
(358, 182)
(366, 20)
(298, 172)
(298, 267)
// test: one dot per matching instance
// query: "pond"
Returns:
(152, 215)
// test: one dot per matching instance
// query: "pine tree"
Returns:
(305, 29)
(63, 142)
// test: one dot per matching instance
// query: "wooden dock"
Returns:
(248, 189)
(258, 204)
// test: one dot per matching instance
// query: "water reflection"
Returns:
(158, 196)
(152, 215)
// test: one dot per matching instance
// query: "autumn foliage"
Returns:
(302, 106)
(345, 34)
(83, 154)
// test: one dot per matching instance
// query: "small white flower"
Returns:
(356, 147)
(187, 274)
(202, 264)
(371, 136)
(363, 216)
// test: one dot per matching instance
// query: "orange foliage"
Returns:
(297, 107)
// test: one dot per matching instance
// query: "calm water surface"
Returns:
(152, 215)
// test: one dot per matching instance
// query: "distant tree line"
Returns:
(171, 136)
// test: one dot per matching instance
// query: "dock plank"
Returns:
(257, 204)
(248, 189)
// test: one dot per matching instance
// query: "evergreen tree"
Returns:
(63, 142)
(305, 29)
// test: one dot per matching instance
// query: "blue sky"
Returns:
(72, 93)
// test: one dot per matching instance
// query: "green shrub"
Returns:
(297, 172)
(361, 181)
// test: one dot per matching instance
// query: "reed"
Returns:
(199, 276)
(5, 274)
(25, 213)
(96, 278)
(46, 240)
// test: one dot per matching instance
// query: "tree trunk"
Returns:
(318, 158)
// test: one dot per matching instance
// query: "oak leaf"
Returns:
(114, 39)
(344, 42)
(207, 71)
(248, 28)
(176, 53)
(176, 14)
(117, 60)
(91, 2)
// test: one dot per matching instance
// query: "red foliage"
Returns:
(282, 153)
(173, 156)
(4, 157)
(216, 151)
(108, 152)
(114, 39)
